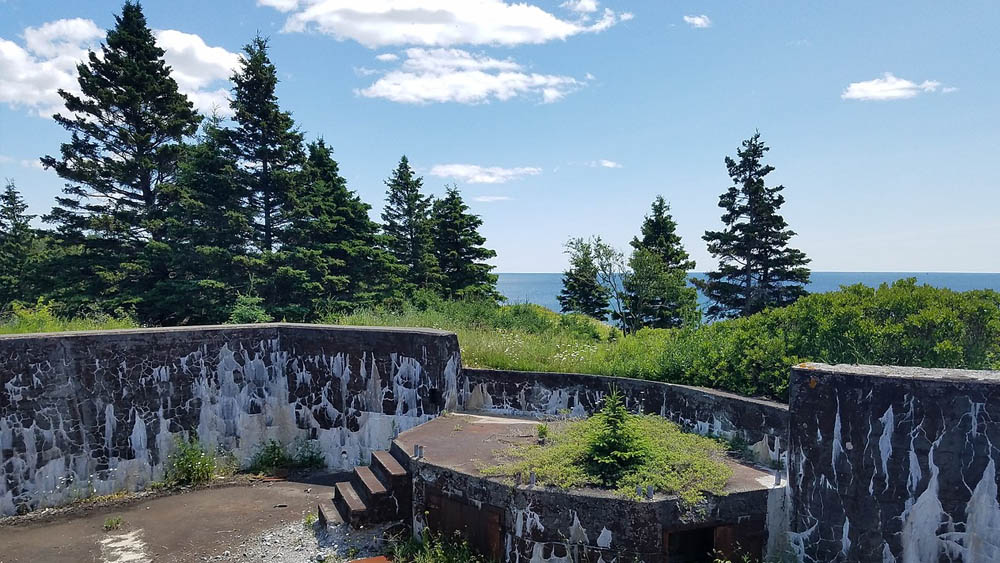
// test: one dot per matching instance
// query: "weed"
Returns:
(189, 463)
(272, 456)
(543, 433)
(310, 520)
(433, 548)
(113, 523)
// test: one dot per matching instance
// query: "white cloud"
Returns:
(604, 163)
(454, 75)
(32, 164)
(888, 87)
(475, 174)
(436, 23)
(699, 22)
(4, 159)
(582, 6)
(387, 57)
(948, 89)
(490, 198)
(33, 74)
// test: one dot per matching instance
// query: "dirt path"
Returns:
(228, 523)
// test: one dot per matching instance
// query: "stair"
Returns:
(374, 494)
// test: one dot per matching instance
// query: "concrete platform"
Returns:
(465, 442)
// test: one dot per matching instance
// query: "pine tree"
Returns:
(126, 127)
(657, 291)
(407, 223)
(331, 258)
(757, 269)
(17, 246)
(581, 291)
(616, 445)
(459, 249)
(266, 142)
(206, 227)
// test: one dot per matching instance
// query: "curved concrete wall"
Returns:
(98, 412)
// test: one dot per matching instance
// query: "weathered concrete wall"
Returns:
(894, 464)
(95, 413)
(763, 425)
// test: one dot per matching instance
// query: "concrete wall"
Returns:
(762, 425)
(95, 413)
(894, 464)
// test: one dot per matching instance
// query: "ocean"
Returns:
(542, 289)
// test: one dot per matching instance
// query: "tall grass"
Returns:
(24, 319)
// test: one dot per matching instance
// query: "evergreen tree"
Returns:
(616, 445)
(17, 246)
(407, 223)
(757, 269)
(126, 128)
(582, 292)
(657, 291)
(331, 257)
(266, 142)
(459, 249)
(205, 228)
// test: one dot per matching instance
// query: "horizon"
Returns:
(561, 119)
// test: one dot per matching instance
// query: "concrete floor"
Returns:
(190, 526)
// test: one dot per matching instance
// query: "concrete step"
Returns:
(352, 509)
(388, 470)
(368, 484)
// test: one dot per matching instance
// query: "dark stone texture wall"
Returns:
(95, 413)
(894, 464)
(762, 425)
(550, 525)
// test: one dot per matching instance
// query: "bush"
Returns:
(189, 464)
(249, 309)
(434, 549)
(42, 317)
(272, 456)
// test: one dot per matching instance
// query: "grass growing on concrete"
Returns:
(112, 523)
(272, 457)
(23, 319)
(189, 464)
(434, 549)
(621, 451)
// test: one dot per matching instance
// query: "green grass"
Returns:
(23, 319)
(434, 549)
(672, 461)
(112, 523)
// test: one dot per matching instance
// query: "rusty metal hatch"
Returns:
(481, 527)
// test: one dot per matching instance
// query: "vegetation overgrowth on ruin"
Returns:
(432, 548)
(621, 451)
(24, 319)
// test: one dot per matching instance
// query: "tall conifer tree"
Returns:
(332, 257)
(459, 248)
(126, 125)
(17, 246)
(757, 269)
(582, 291)
(407, 223)
(266, 142)
(657, 291)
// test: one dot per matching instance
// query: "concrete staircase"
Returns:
(376, 493)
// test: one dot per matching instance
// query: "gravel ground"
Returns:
(298, 543)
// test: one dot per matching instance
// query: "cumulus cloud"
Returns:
(490, 198)
(581, 6)
(475, 174)
(35, 72)
(699, 22)
(454, 75)
(387, 57)
(437, 23)
(889, 87)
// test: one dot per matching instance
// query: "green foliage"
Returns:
(898, 324)
(249, 309)
(112, 523)
(41, 317)
(433, 548)
(189, 464)
(543, 432)
(272, 457)
(18, 246)
(406, 222)
(622, 451)
(459, 250)
(582, 292)
(757, 269)
(126, 129)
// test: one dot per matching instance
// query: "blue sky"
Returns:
(561, 119)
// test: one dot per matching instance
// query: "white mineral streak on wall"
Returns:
(922, 519)
(885, 444)
(777, 521)
(604, 540)
(983, 519)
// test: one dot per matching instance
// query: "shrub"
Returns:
(42, 317)
(189, 464)
(249, 309)
(433, 548)
(272, 456)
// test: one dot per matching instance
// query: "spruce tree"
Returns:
(126, 129)
(331, 257)
(206, 227)
(657, 291)
(582, 292)
(17, 246)
(757, 269)
(459, 249)
(407, 223)
(266, 142)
